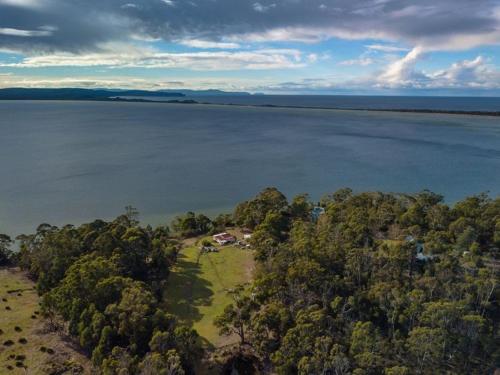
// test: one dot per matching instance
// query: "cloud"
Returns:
(126, 82)
(233, 35)
(415, 11)
(258, 7)
(206, 44)
(386, 48)
(168, 2)
(84, 24)
(129, 5)
(401, 72)
(128, 56)
(363, 61)
(474, 74)
(477, 73)
(22, 3)
(43, 31)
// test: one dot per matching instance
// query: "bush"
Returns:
(206, 243)
(8, 343)
(23, 341)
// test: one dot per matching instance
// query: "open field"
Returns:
(25, 347)
(198, 286)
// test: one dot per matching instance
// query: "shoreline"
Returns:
(425, 111)
(191, 101)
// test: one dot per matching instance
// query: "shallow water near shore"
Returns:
(70, 162)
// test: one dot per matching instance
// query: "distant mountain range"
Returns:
(211, 92)
(102, 94)
(78, 94)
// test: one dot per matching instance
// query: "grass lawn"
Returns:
(198, 285)
(20, 321)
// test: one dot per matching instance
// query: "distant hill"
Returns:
(78, 94)
(211, 92)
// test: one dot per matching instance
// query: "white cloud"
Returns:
(386, 48)
(302, 35)
(126, 82)
(477, 73)
(23, 3)
(42, 31)
(205, 44)
(473, 74)
(308, 35)
(258, 7)
(402, 72)
(129, 6)
(122, 56)
(363, 61)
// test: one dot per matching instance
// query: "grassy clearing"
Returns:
(198, 286)
(25, 347)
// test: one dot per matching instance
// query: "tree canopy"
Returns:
(375, 283)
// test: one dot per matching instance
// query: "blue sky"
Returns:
(448, 47)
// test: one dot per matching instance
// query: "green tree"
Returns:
(161, 364)
(5, 252)
(236, 317)
(252, 213)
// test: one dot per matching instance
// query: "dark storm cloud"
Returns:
(76, 25)
(70, 27)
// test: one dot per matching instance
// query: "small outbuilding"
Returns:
(224, 238)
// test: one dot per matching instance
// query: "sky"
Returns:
(424, 47)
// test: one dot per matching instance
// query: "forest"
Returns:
(377, 284)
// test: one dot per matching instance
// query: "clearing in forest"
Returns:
(198, 286)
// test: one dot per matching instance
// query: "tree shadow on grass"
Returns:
(187, 290)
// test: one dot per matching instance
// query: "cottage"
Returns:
(224, 238)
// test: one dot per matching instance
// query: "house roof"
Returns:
(223, 237)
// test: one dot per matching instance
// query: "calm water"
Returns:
(66, 162)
